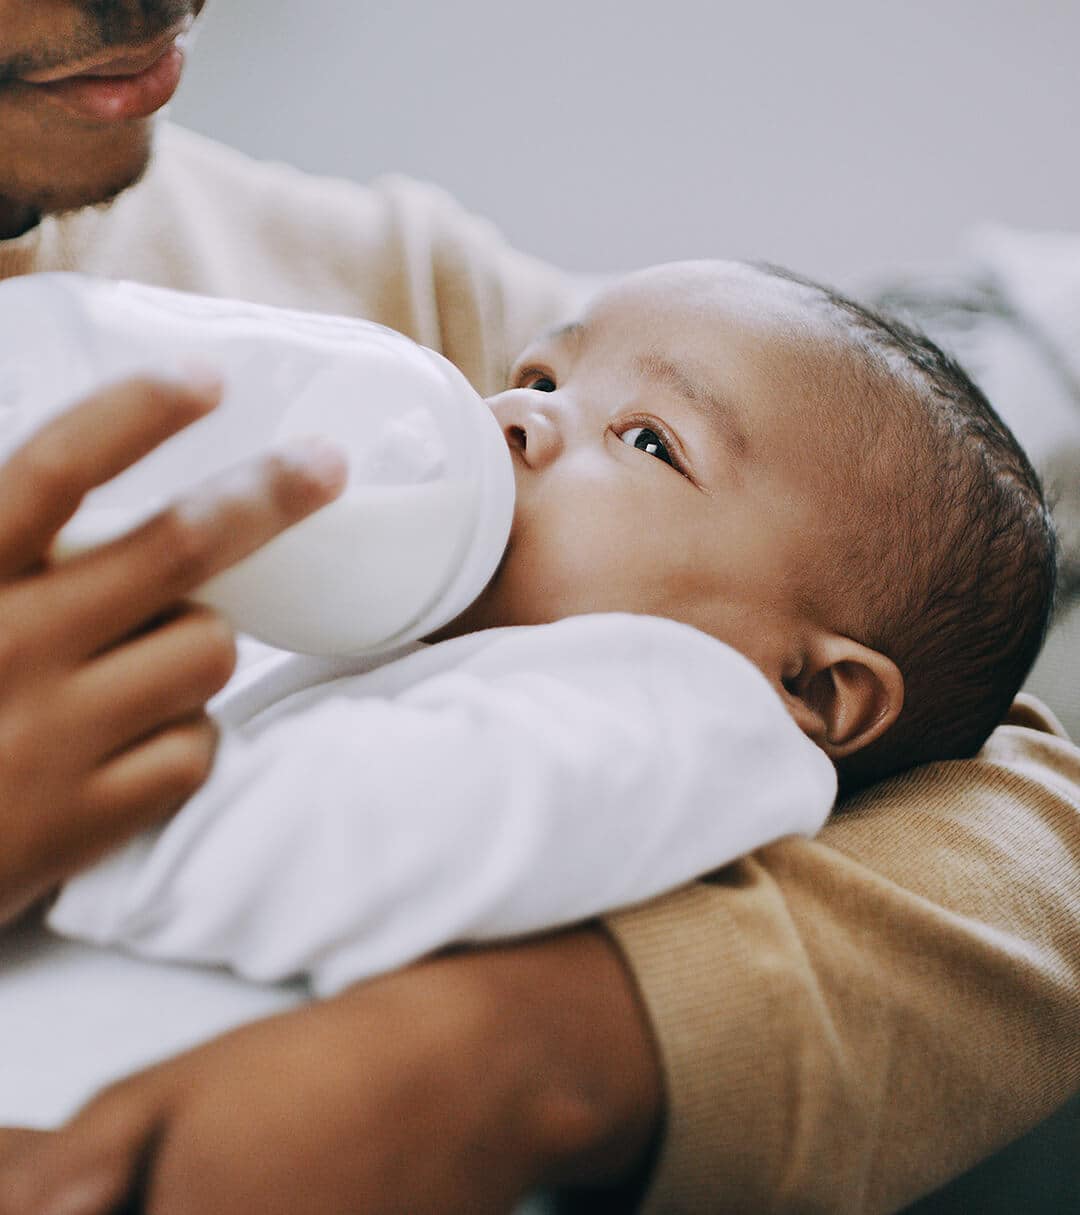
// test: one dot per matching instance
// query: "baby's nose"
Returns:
(530, 427)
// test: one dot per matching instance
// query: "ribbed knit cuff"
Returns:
(691, 957)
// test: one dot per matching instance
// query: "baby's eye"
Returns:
(541, 383)
(647, 440)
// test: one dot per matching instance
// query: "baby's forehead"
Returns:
(705, 302)
(733, 317)
(737, 284)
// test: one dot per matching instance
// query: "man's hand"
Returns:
(103, 676)
(451, 1088)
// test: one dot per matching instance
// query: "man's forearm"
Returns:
(452, 1088)
(565, 1015)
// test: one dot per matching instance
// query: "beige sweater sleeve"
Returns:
(847, 1022)
(208, 219)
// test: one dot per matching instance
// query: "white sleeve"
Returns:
(554, 773)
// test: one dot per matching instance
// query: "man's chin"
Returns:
(111, 177)
(102, 196)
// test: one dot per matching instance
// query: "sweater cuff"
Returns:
(698, 974)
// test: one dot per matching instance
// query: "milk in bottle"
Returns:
(424, 518)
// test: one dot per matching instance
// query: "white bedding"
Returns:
(74, 1017)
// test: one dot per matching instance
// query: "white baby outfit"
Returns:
(360, 816)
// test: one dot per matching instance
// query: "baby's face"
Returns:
(665, 460)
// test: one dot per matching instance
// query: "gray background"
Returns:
(837, 136)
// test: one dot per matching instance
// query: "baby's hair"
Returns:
(949, 552)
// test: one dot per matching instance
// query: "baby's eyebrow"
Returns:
(571, 332)
(718, 412)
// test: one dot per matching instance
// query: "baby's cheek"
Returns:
(533, 586)
(542, 579)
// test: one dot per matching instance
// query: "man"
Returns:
(80, 85)
(831, 1025)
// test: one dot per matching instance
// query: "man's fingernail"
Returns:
(201, 380)
(317, 458)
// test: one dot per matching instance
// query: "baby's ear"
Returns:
(845, 695)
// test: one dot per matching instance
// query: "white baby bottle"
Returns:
(424, 518)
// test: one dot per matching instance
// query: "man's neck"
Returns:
(15, 219)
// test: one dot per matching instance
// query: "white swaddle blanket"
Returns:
(489, 786)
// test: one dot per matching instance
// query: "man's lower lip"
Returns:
(116, 98)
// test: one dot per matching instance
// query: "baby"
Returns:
(828, 493)
(763, 539)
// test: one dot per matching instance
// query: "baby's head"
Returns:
(816, 485)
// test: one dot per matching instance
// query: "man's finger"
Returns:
(145, 784)
(105, 594)
(93, 1166)
(15, 1141)
(165, 673)
(136, 789)
(44, 480)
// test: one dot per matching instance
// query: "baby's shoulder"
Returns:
(620, 646)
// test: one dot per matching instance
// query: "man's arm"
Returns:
(847, 1022)
(451, 1087)
(103, 678)
(854, 1020)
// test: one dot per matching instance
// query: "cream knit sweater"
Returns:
(845, 1022)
